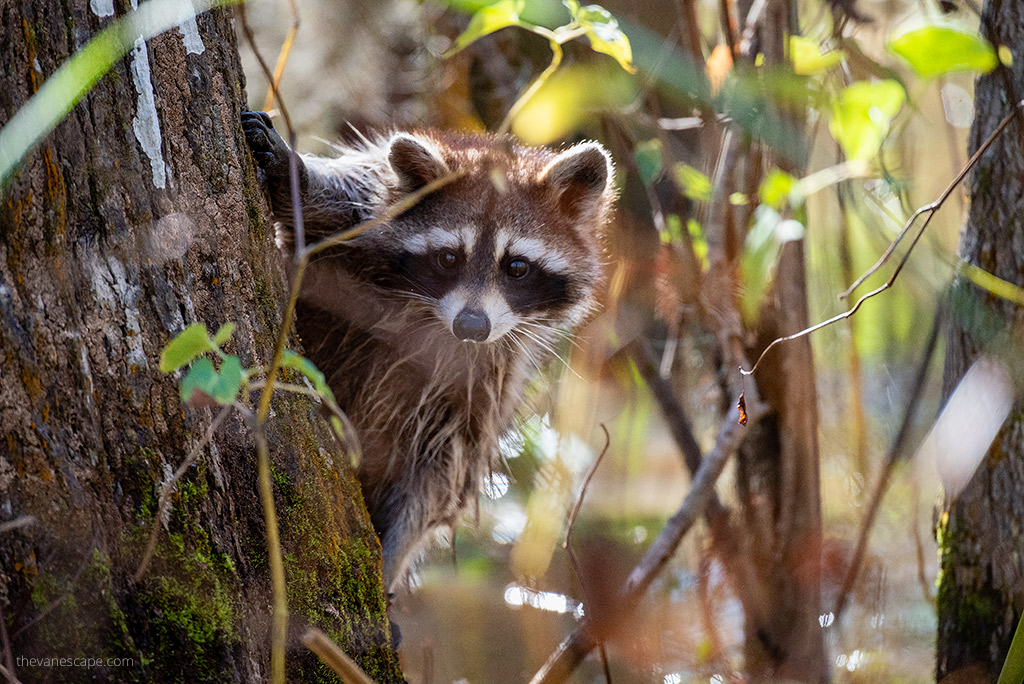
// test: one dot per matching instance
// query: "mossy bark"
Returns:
(981, 530)
(113, 239)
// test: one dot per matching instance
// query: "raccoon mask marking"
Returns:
(429, 327)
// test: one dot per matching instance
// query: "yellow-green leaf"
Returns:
(605, 36)
(223, 334)
(693, 183)
(488, 20)
(187, 345)
(808, 59)
(777, 189)
(937, 50)
(861, 115)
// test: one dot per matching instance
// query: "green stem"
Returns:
(280, 629)
(555, 40)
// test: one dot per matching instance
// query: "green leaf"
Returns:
(223, 334)
(808, 59)
(861, 115)
(200, 383)
(488, 20)
(648, 160)
(189, 343)
(229, 380)
(573, 6)
(204, 386)
(602, 29)
(694, 184)
(777, 189)
(937, 50)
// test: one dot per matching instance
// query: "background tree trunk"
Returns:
(139, 215)
(981, 581)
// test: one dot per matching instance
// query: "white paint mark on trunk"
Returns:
(190, 31)
(146, 124)
(102, 8)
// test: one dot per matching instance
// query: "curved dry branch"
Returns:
(929, 209)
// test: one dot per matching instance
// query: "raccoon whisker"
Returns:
(526, 351)
(551, 350)
(559, 334)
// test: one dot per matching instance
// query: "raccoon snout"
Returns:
(471, 325)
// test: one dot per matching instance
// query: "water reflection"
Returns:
(517, 595)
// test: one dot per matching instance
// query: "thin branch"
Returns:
(8, 653)
(20, 521)
(405, 204)
(168, 489)
(933, 207)
(334, 658)
(63, 597)
(929, 209)
(891, 458)
(573, 561)
(298, 232)
(579, 500)
(282, 58)
(280, 622)
(577, 645)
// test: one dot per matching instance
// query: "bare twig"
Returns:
(282, 58)
(8, 653)
(933, 207)
(20, 521)
(298, 232)
(168, 489)
(334, 658)
(929, 209)
(280, 623)
(4, 672)
(573, 561)
(574, 649)
(884, 475)
(63, 597)
(579, 499)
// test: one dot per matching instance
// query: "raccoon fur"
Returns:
(429, 327)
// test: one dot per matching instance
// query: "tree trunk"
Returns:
(981, 580)
(139, 215)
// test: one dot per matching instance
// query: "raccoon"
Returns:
(429, 326)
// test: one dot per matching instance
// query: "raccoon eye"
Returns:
(447, 260)
(517, 268)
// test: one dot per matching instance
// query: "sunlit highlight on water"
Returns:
(516, 595)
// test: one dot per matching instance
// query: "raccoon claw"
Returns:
(268, 148)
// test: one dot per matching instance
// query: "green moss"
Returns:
(333, 575)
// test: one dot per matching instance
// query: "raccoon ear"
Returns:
(416, 162)
(581, 176)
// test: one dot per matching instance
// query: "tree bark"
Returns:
(139, 215)
(981, 578)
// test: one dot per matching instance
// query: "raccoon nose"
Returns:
(471, 325)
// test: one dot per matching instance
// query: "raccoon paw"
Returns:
(268, 149)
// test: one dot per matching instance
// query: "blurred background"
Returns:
(491, 604)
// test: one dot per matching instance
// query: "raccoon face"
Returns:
(483, 283)
(488, 257)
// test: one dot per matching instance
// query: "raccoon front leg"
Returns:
(326, 208)
(402, 531)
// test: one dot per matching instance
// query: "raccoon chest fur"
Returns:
(429, 326)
